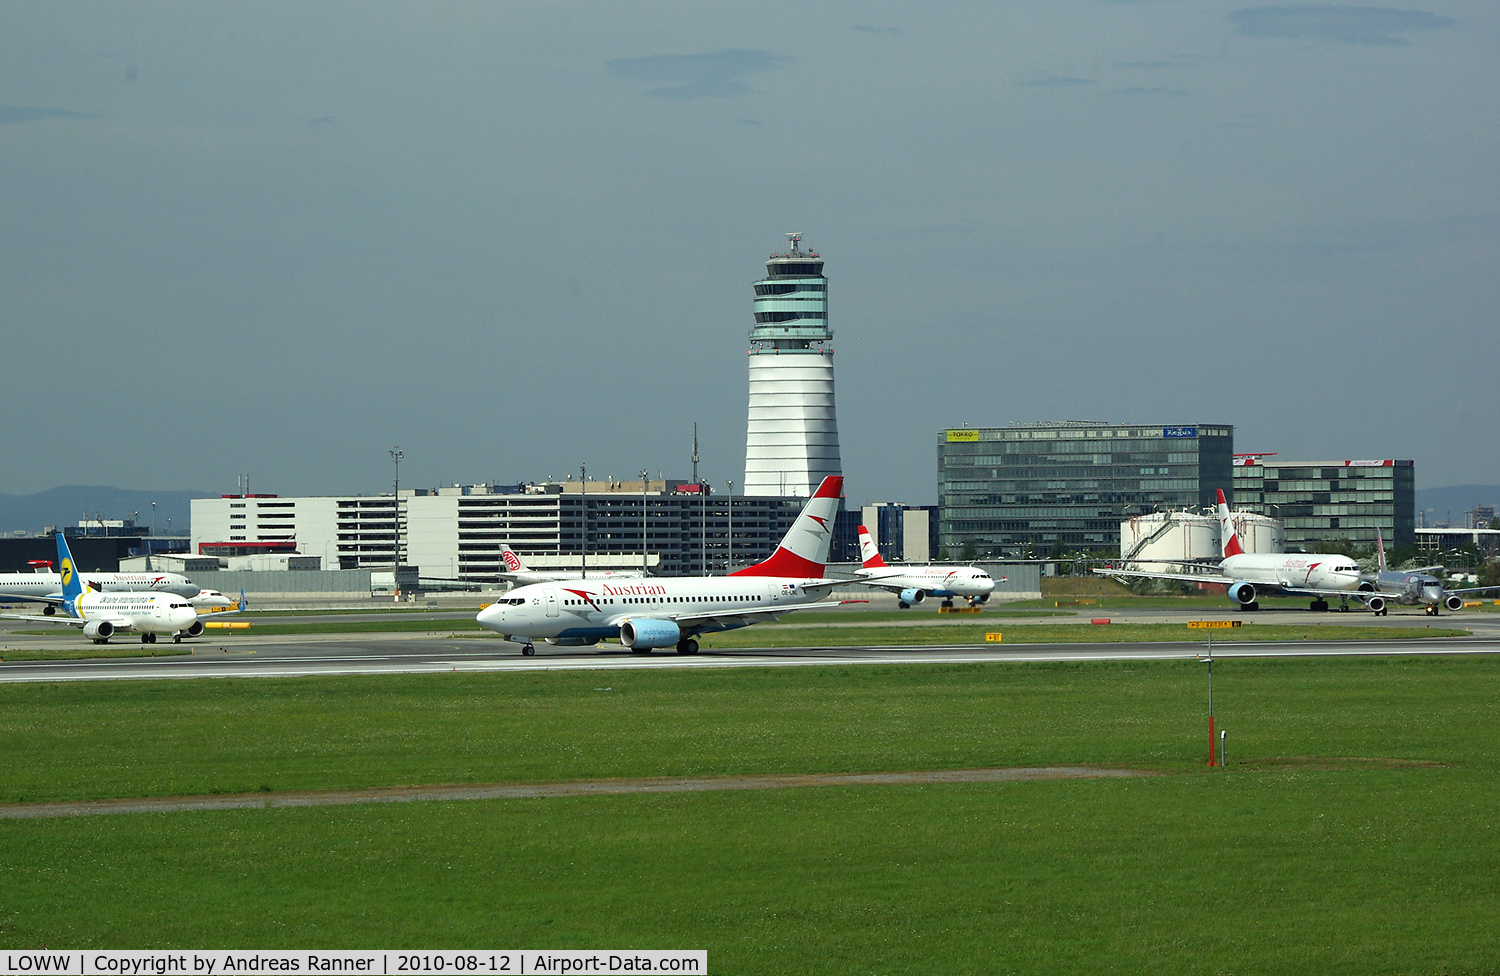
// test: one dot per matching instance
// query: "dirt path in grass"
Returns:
(594, 787)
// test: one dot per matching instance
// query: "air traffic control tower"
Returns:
(793, 438)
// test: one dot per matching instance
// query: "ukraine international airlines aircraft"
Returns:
(517, 571)
(1248, 575)
(47, 587)
(913, 584)
(657, 612)
(102, 615)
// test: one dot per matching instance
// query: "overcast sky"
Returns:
(513, 238)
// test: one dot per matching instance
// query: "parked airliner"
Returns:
(913, 584)
(101, 615)
(47, 587)
(518, 572)
(1249, 575)
(644, 614)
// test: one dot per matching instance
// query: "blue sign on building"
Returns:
(1179, 432)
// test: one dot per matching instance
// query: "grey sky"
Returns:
(517, 237)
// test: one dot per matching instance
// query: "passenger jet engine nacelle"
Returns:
(1242, 593)
(1453, 602)
(195, 629)
(1376, 604)
(98, 630)
(913, 595)
(650, 633)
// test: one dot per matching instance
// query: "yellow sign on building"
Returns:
(963, 435)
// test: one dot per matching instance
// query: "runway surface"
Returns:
(246, 657)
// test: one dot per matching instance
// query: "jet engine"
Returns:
(572, 641)
(1453, 602)
(1242, 593)
(911, 595)
(1365, 586)
(194, 630)
(648, 633)
(98, 630)
(1376, 604)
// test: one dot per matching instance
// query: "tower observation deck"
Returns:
(792, 441)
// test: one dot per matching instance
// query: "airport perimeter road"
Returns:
(421, 654)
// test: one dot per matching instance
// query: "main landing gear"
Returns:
(948, 604)
(687, 646)
(1320, 605)
(148, 638)
(1251, 606)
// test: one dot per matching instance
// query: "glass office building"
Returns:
(1320, 500)
(1031, 488)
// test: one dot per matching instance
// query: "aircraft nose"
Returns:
(492, 616)
(986, 585)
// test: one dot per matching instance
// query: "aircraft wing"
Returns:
(59, 619)
(1188, 577)
(1472, 589)
(56, 601)
(740, 618)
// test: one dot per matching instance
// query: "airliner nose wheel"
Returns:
(177, 638)
(687, 646)
(528, 650)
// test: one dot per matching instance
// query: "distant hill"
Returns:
(70, 503)
(1450, 504)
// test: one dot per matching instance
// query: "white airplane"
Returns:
(1249, 575)
(101, 615)
(209, 601)
(913, 584)
(517, 571)
(644, 614)
(1415, 587)
(46, 587)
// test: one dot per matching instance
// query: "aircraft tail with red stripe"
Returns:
(1229, 539)
(804, 550)
(868, 551)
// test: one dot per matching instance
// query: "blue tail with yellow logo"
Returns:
(72, 583)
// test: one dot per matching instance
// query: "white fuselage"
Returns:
(24, 586)
(589, 610)
(1297, 570)
(143, 613)
(965, 581)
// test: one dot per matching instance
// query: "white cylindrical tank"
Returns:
(1259, 533)
(1170, 536)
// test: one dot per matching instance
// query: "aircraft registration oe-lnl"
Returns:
(913, 584)
(46, 587)
(101, 615)
(1249, 575)
(1415, 587)
(644, 614)
(519, 572)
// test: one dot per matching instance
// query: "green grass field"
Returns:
(1354, 830)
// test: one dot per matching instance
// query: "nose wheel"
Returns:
(528, 650)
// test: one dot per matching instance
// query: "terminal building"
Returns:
(671, 527)
(1323, 500)
(1031, 489)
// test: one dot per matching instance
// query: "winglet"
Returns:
(868, 551)
(1229, 538)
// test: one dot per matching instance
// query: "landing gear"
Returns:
(1249, 607)
(947, 604)
(176, 638)
(1432, 610)
(1321, 605)
(527, 650)
(49, 610)
(148, 638)
(687, 646)
(902, 605)
(640, 650)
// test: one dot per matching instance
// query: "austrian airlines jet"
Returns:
(102, 615)
(1414, 587)
(1248, 575)
(913, 584)
(645, 614)
(47, 587)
